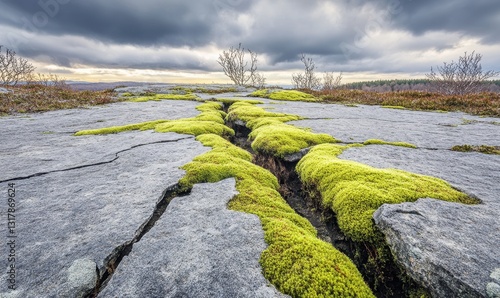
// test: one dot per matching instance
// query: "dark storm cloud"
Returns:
(478, 18)
(170, 22)
(340, 32)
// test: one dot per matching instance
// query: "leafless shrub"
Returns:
(14, 69)
(463, 77)
(331, 82)
(48, 80)
(235, 67)
(307, 80)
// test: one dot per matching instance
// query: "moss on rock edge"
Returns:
(354, 190)
(210, 120)
(270, 134)
(296, 261)
(288, 95)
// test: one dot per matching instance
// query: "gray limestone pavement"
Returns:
(80, 200)
(453, 249)
(198, 248)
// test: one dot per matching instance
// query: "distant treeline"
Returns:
(404, 85)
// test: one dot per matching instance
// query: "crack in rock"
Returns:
(93, 164)
(114, 259)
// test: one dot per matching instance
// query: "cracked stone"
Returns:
(449, 248)
(424, 129)
(198, 248)
(90, 212)
(37, 143)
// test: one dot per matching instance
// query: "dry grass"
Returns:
(487, 104)
(41, 98)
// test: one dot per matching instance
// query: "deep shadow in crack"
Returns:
(113, 260)
(374, 260)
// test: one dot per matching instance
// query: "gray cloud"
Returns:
(353, 34)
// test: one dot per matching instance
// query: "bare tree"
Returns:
(463, 77)
(14, 69)
(235, 67)
(331, 82)
(307, 80)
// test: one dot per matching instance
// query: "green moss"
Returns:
(482, 149)
(127, 94)
(118, 129)
(159, 97)
(230, 101)
(295, 261)
(292, 95)
(282, 139)
(271, 135)
(394, 107)
(194, 128)
(289, 95)
(210, 120)
(381, 142)
(354, 190)
(260, 93)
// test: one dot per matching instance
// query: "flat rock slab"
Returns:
(198, 248)
(424, 129)
(80, 199)
(88, 213)
(40, 143)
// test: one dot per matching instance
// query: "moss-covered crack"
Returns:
(296, 261)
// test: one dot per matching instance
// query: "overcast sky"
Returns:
(179, 40)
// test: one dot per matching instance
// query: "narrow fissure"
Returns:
(117, 156)
(113, 260)
(375, 263)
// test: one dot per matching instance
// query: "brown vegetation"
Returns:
(486, 104)
(41, 97)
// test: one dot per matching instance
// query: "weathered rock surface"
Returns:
(82, 279)
(40, 143)
(424, 129)
(89, 212)
(450, 248)
(198, 248)
(93, 194)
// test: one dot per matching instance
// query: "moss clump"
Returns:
(289, 95)
(482, 149)
(230, 101)
(210, 120)
(158, 97)
(260, 93)
(118, 129)
(281, 139)
(394, 107)
(354, 190)
(296, 261)
(127, 94)
(381, 142)
(271, 135)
